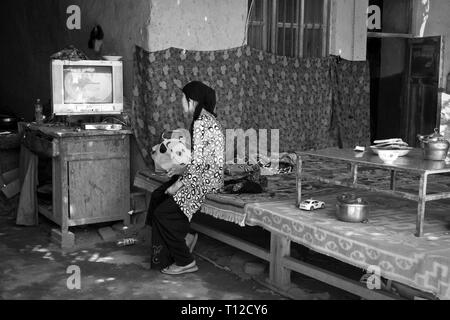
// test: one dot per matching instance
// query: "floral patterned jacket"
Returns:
(205, 173)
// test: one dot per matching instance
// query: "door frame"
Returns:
(442, 79)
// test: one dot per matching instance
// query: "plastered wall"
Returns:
(349, 29)
(197, 24)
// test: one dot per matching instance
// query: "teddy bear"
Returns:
(172, 152)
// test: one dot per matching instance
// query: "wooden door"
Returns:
(422, 108)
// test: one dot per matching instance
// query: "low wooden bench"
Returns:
(281, 263)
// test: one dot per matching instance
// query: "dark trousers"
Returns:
(169, 229)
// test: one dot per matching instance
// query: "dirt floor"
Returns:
(32, 267)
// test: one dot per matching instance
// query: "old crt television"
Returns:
(86, 87)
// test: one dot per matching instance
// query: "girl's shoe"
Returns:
(175, 270)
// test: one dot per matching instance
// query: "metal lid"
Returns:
(435, 137)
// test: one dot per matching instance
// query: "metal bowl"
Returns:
(8, 122)
(352, 212)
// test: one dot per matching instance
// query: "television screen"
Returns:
(88, 84)
(86, 87)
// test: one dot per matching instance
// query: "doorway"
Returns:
(404, 87)
(404, 76)
(388, 73)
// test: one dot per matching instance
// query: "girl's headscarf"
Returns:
(204, 95)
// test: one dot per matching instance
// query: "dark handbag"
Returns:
(244, 179)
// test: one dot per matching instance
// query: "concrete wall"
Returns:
(349, 29)
(197, 24)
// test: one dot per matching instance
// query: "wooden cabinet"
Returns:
(90, 175)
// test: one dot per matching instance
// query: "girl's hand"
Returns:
(176, 171)
(173, 189)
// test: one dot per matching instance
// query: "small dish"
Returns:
(112, 58)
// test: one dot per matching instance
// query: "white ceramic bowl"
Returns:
(401, 152)
(388, 156)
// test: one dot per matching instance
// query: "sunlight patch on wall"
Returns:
(425, 9)
(445, 115)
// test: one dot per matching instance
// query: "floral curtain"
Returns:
(314, 102)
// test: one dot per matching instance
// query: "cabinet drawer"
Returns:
(95, 147)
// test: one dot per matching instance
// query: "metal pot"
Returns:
(8, 123)
(435, 146)
(352, 209)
